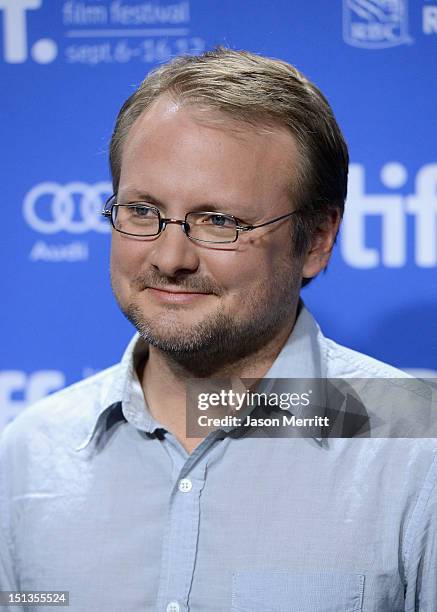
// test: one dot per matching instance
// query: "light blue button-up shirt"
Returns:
(98, 499)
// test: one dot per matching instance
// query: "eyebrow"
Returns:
(139, 196)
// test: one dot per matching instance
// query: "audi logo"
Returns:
(75, 207)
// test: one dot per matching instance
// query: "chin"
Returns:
(170, 330)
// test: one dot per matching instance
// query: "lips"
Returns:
(177, 290)
(174, 296)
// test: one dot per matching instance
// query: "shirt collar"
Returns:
(121, 392)
(300, 358)
(302, 355)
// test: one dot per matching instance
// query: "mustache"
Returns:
(191, 284)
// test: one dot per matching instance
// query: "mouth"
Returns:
(174, 295)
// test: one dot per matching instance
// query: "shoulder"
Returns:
(345, 362)
(332, 360)
(59, 417)
(398, 405)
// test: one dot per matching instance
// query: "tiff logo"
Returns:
(30, 388)
(430, 19)
(392, 210)
(15, 40)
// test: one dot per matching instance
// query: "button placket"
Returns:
(180, 548)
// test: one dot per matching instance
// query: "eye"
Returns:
(141, 211)
(219, 220)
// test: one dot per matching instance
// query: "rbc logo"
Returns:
(15, 45)
(375, 24)
(392, 210)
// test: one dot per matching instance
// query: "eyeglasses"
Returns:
(144, 220)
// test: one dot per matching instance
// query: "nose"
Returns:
(173, 253)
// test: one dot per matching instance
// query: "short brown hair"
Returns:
(259, 91)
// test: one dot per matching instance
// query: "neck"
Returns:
(164, 380)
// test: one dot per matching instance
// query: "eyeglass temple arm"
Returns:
(248, 228)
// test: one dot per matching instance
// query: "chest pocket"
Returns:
(285, 591)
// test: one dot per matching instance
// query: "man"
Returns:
(229, 175)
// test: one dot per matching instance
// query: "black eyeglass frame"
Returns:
(163, 222)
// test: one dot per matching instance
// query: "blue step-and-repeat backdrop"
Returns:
(67, 66)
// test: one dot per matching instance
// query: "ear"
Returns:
(319, 253)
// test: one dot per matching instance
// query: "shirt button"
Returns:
(173, 606)
(185, 485)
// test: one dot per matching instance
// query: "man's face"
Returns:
(197, 301)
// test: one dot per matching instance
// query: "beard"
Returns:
(221, 339)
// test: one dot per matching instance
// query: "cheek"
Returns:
(268, 270)
(245, 272)
(125, 262)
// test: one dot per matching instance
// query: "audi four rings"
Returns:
(75, 207)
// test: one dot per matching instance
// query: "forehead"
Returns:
(203, 149)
